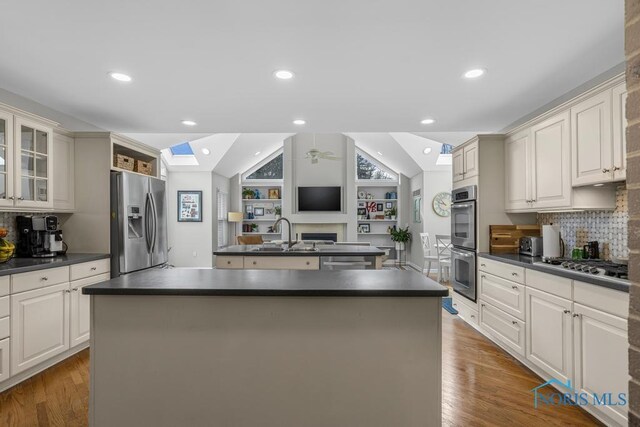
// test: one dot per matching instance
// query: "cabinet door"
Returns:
(64, 172)
(457, 165)
(549, 333)
(471, 160)
(551, 155)
(502, 326)
(7, 159)
(601, 356)
(517, 172)
(39, 326)
(80, 319)
(34, 165)
(4, 359)
(619, 124)
(591, 143)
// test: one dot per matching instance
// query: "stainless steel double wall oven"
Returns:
(463, 239)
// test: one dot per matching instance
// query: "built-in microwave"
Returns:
(463, 217)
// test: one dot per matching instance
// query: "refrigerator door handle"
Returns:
(154, 236)
(147, 216)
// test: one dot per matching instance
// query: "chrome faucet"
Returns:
(290, 243)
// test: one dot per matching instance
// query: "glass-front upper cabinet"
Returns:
(6, 159)
(33, 164)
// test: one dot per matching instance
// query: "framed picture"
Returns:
(365, 228)
(380, 207)
(274, 193)
(258, 211)
(388, 205)
(189, 206)
(362, 211)
(372, 206)
(248, 209)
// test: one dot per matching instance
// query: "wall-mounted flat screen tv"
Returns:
(319, 199)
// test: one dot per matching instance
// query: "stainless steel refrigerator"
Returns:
(138, 223)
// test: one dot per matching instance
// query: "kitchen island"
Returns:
(269, 348)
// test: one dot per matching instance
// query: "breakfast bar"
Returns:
(266, 347)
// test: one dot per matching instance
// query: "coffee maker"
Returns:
(39, 237)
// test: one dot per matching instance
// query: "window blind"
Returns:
(223, 225)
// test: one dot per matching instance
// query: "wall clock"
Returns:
(442, 204)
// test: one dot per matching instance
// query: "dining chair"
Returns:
(443, 250)
(426, 248)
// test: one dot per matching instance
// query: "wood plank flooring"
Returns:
(482, 386)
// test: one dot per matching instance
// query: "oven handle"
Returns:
(365, 263)
(460, 206)
(462, 254)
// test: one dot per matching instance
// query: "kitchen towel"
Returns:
(551, 241)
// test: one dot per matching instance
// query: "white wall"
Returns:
(191, 243)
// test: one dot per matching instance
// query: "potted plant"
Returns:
(401, 236)
(278, 211)
(391, 213)
(248, 193)
(254, 227)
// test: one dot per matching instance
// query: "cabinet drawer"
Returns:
(5, 285)
(39, 279)
(502, 326)
(229, 262)
(5, 303)
(502, 269)
(504, 294)
(88, 269)
(555, 285)
(466, 313)
(281, 263)
(601, 298)
(5, 327)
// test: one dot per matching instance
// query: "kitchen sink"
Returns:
(304, 249)
(268, 249)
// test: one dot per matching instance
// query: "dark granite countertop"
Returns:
(535, 263)
(323, 250)
(306, 283)
(24, 265)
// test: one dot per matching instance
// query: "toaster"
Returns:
(531, 246)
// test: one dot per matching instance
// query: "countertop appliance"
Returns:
(348, 262)
(599, 267)
(138, 223)
(531, 245)
(39, 237)
(463, 240)
(552, 244)
(591, 250)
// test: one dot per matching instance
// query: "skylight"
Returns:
(183, 149)
(445, 157)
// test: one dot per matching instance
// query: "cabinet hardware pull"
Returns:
(67, 291)
(75, 289)
(20, 198)
(606, 170)
(576, 315)
(483, 265)
(455, 305)
(483, 305)
(10, 198)
(308, 263)
(473, 316)
(483, 276)
(567, 311)
(45, 278)
(254, 262)
(228, 262)
(93, 268)
(514, 287)
(514, 274)
(514, 322)
(616, 168)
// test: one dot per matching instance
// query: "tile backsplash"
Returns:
(8, 221)
(607, 227)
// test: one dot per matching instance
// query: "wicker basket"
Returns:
(143, 167)
(124, 162)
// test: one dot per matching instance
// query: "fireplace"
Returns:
(320, 236)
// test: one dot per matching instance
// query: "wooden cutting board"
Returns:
(505, 239)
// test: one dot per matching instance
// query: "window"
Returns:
(183, 149)
(223, 225)
(368, 170)
(271, 170)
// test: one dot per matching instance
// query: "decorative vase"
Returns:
(393, 217)
(400, 246)
(277, 217)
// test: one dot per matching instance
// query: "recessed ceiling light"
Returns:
(121, 77)
(427, 150)
(379, 153)
(256, 153)
(206, 151)
(189, 123)
(474, 74)
(283, 74)
(598, 185)
(299, 122)
(428, 121)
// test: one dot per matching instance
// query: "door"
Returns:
(63, 174)
(517, 172)
(549, 333)
(463, 273)
(134, 221)
(471, 160)
(6, 160)
(79, 318)
(619, 125)
(591, 140)
(601, 356)
(159, 253)
(463, 224)
(457, 164)
(551, 155)
(39, 326)
(34, 166)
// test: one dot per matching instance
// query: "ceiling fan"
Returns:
(315, 155)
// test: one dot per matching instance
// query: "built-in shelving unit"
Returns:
(377, 211)
(264, 201)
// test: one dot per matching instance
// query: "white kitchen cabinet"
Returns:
(518, 171)
(5, 348)
(63, 173)
(619, 124)
(591, 140)
(457, 164)
(465, 161)
(40, 326)
(6, 154)
(505, 328)
(503, 294)
(549, 333)
(80, 318)
(601, 356)
(33, 171)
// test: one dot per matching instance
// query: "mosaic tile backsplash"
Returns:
(609, 228)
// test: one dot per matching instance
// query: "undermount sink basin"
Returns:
(305, 249)
(268, 249)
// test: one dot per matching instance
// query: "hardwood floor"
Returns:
(482, 386)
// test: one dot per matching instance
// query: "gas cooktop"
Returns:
(590, 266)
